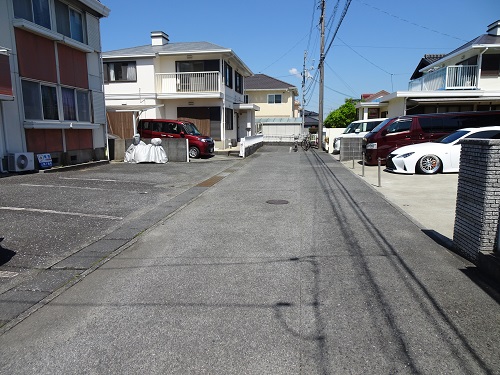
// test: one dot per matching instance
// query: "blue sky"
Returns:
(377, 46)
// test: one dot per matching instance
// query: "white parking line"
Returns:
(65, 186)
(87, 179)
(8, 274)
(60, 213)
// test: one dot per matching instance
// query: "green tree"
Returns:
(342, 116)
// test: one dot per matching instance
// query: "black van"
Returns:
(406, 130)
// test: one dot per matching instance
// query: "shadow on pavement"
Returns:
(488, 285)
(5, 254)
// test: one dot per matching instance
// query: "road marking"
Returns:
(65, 186)
(8, 274)
(60, 213)
(87, 179)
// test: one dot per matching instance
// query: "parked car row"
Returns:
(419, 143)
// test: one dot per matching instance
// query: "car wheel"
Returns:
(194, 152)
(429, 164)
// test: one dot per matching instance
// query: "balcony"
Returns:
(187, 84)
(457, 77)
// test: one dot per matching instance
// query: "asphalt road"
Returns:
(284, 263)
(58, 225)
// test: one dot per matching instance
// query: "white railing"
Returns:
(276, 138)
(248, 145)
(457, 77)
(196, 82)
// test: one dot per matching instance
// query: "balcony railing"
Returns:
(185, 83)
(457, 77)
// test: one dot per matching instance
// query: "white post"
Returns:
(134, 116)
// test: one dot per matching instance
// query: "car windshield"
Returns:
(191, 128)
(381, 125)
(371, 125)
(350, 128)
(453, 136)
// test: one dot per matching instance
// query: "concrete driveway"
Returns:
(429, 199)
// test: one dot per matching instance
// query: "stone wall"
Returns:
(478, 199)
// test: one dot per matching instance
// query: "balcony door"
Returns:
(197, 66)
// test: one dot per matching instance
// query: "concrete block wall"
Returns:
(176, 148)
(478, 198)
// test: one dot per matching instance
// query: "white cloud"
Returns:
(295, 72)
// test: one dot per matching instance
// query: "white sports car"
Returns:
(440, 156)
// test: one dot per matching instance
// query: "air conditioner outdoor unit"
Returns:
(21, 161)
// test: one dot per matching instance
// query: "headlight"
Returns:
(405, 155)
(371, 146)
(206, 140)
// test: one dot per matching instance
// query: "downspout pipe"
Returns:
(479, 64)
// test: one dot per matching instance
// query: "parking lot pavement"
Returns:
(429, 199)
(57, 225)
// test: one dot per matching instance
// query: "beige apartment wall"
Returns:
(285, 109)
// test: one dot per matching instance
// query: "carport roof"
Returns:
(279, 120)
(132, 107)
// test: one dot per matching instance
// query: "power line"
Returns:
(330, 20)
(286, 53)
(364, 58)
(395, 47)
(340, 78)
(346, 7)
(312, 25)
(410, 22)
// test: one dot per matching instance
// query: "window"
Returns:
(83, 105)
(36, 11)
(197, 66)
(69, 21)
(274, 99)
(490, 66)
(487, 134)
(42, 102)
(32, 100)
(229, 119)
(69, 104)
(170, 127)
(246, 99)
(124, 71)
(228, 75)
(238, 82)
(399, 126)
(49, 103)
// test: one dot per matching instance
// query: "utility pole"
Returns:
(303, 94)
(321, 76)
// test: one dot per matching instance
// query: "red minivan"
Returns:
(405, 130)
(161, 128)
